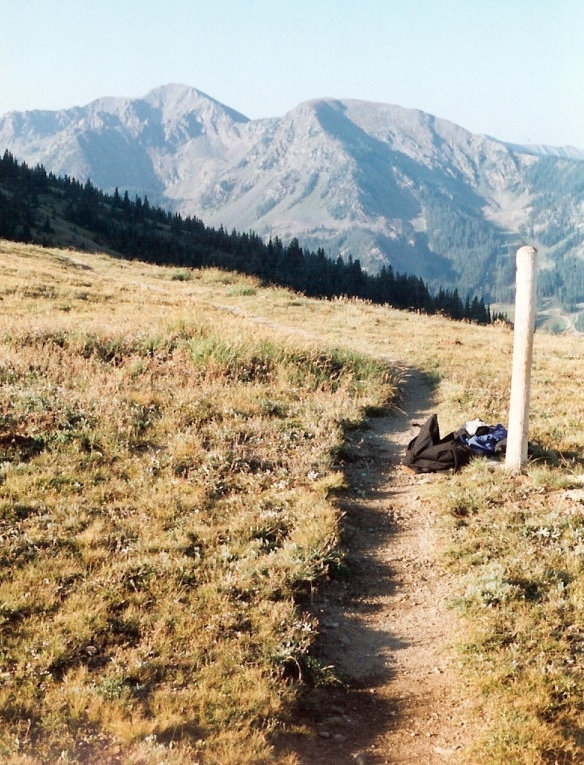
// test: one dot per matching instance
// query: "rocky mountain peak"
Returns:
(382, 183)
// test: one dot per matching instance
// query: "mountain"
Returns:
(384, 184)
(135, 144)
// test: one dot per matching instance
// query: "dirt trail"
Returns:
(387, 628)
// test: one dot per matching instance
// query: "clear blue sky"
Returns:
(513, 69)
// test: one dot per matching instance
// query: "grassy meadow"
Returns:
(165, 509)
(168, 477)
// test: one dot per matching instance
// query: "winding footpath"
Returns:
(387, 628)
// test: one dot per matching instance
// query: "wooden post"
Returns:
(524, 326)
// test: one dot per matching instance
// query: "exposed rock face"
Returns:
(384, 184)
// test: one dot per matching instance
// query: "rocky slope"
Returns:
(380, 182)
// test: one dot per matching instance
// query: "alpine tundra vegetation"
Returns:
(173, 451)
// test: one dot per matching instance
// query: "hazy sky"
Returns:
(513, 69)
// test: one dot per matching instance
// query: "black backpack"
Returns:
(428, 453)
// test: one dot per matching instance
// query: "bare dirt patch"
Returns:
(387, 627)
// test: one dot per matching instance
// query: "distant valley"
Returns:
(381, 183)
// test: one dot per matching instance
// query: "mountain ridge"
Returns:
(383, 183)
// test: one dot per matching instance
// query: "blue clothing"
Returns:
(488, 440)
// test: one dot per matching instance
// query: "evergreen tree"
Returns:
(138, 230)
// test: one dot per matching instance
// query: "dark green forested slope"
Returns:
(36, 206)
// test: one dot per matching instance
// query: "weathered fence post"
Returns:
(517, 435)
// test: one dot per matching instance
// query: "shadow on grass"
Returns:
(356, 644)
(537, 453)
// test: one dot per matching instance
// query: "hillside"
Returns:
(39, 207)
(166, 474)
(196, 466)
(384, 184)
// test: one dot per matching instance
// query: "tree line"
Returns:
(35, 205)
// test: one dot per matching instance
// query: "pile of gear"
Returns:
(429, 453)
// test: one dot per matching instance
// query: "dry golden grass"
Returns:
(164, 508)
(165, 503)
